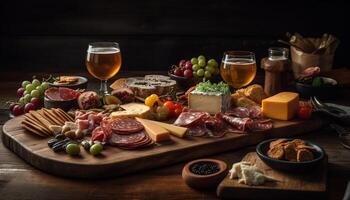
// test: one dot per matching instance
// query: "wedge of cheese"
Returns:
(157, 133)
(283, 106)
(174, 130)
(209, 102)
(132, 110)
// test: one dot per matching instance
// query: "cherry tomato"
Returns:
(304, 112)
(177, 112)
(171, 106)
(178, 105)
(162, 113)
(150, 100)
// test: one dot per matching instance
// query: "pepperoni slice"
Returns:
(255, 112)
(188, 118)
(236, 122)
(197, 130)
(126, 126)
(240, 112)
(256, 125)
(125, 140)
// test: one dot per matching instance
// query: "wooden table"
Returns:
(18, 180)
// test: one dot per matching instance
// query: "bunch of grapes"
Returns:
(184, 69)
(31, 95)
(202, 68)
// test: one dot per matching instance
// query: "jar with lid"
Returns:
(277, 68)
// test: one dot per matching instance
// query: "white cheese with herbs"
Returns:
(211, 102)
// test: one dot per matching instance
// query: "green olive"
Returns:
(96, 148)
(73, 149)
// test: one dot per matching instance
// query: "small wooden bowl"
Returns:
(204, 181)
(80, 84)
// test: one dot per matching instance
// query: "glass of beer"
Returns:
(238, 68)
(103, 61)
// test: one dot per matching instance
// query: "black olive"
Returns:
(86, 144)
(204, 168)
(58, 146)
(52, 142)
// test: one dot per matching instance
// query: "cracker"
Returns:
(276, 153)
(58, 120)
(49, 117)
(36, 123)
(59, 116)
(277, 142)
(299, 142)
(304, 155)
(32, 129)
(68, 117)
(290, 152)
(43, 121)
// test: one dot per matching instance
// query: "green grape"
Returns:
(210, 68)
(194, 74)
(21, 101)
(200, 72)
(194, 61)
(25, 92)
(27, 98)
(40, 88)
(207, 74)
(72, 149)
(201, 63)
(196, 67)
(96, 148)
(35, 93)
(25, 83)
(29, 88)
(36, 82)
(45, 85)
(201, 57)
(212, 62)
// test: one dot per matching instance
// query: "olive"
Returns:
(69, 142)
(60, 136)
(52, 142)
(86, 144)
(72, 149)
(58, 146)
(96, 148)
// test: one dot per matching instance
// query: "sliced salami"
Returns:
(188, 118)
(126, 126)
(117, 139)
(255, 112)
(240, 112)
(256, 125)
(197, 130)
(236, 122)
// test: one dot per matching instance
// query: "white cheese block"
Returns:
(209, 102)
(132, 110)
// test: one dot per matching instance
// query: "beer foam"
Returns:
(239, 61)
(103, 50)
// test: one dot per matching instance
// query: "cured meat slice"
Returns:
(197, 130)
(188, 118)
(255, 112)
(126, 126)
(256, 125)
(240, 112)
(236, 122)
(99, 135)
(131, 141)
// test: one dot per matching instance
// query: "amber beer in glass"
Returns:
(238, 68)
(103, 61)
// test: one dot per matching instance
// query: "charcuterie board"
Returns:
(306, 185)
(115, 162)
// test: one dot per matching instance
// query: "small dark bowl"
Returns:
(63, 104)
(185, 83)
(81, 84)
(290, 166)
(204, 181)
(324, 92)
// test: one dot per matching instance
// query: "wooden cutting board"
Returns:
(114, 162)
(307, 185)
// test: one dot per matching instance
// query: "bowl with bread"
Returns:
(249, 96)
(292, 155)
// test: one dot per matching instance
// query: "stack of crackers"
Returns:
(39, 121)
(291, 150)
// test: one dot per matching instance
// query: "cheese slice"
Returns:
(209, 102)
(281, 106)
(157, 133)
(132, 110)
(174, 130)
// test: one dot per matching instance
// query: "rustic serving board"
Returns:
(114, 162)
(307, 185)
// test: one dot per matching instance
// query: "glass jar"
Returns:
(277, 68)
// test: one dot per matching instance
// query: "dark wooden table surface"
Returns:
(18, 180)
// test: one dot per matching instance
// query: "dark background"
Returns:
(44, 35)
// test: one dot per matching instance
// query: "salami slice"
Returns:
(126, 126)
(188, 118)
(255, 112)
(240, 112)
(117, 139)
(197, 130)
(256, 125)
(236, 122)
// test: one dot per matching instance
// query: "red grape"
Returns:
(182, 63)
(17, 110)
(188, 65)
(36, 102)
(28, 107)
(20, 92)
(12, 105)
(188, 73)
(179, 72)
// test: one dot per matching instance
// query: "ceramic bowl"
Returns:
(290, 166)
(323, 92)
(80, 84)
(204, 181)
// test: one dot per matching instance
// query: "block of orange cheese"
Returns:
(281, 106)
(157, 133)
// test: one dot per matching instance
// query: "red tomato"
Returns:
(177, 112)
(178, 105)
(170, 105)
(304, 112)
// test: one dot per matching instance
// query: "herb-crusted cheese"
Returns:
(211, 98)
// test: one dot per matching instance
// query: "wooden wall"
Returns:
(153, 34)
